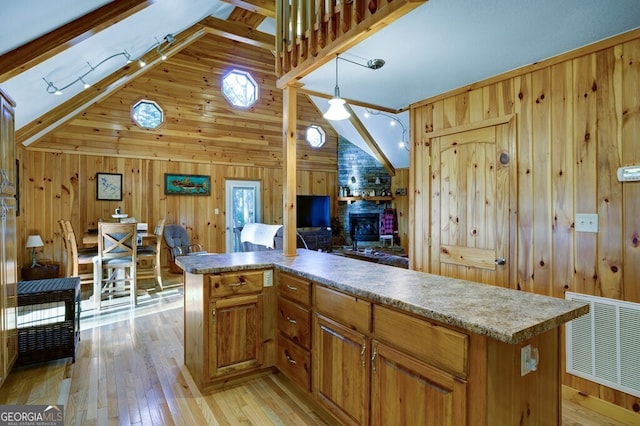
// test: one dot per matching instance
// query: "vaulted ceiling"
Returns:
(440, 46)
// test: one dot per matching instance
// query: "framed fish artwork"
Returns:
(179, 184)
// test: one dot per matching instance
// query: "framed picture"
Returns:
(179, 184)
(109, 186)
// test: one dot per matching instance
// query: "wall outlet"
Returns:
(528, 360)
(267, 278)
(586, 222)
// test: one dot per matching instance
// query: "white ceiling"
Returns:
(441, 45)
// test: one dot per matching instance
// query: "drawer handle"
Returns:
(292, 320)
(240, 284)
(292, 288)
(289, 359)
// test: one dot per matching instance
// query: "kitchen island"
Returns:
(258, 311)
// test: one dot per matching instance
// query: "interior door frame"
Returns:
(511, 134)
(229, 185)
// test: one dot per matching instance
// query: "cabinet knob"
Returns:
(501, 261)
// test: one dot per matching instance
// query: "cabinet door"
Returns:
(8, 286)
(341, 370)
(407, 391)
(235, 343)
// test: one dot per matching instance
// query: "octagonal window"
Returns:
(240, 89)
(147, 114)
(315, 136)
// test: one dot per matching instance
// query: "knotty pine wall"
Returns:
(202, 134)
(578, 120)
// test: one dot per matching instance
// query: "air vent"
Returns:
(604, 345)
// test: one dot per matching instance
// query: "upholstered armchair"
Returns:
(178, 244)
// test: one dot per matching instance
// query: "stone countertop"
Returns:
(506, 315)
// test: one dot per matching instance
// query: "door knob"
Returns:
(501, 261)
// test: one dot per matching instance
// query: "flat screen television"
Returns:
(313, 211)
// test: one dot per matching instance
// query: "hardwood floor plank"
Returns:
(129, 370)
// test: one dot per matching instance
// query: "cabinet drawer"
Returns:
(295, 321)
(228, 284)
(346, 309)
(294, 362)
(437, 345)
(295, 288)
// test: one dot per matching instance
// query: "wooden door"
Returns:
(471, 194)
(341, 368)
(406, 391)
(236, 340)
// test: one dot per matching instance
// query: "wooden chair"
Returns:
(115, 265)
(77, 258)
(151, 253)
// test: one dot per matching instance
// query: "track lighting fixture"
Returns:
(159, 47)
(404, 143)
(337, 110)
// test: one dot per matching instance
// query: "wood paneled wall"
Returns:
(202, 134)
(577, 121)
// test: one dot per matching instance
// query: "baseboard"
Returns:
(600, 406)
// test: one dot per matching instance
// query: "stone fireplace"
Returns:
(364, 226)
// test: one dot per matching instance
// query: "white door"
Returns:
(242, 206)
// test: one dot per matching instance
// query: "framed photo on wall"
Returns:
(109, 186)
(179, 184)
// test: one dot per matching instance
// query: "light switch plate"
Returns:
(586, 222)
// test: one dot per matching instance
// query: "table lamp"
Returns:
(34, 241)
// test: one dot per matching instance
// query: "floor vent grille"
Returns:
(604, 345)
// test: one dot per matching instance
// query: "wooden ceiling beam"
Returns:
(350, 101)
(370, 141)
(263, 7)
(45, 124)
(238, 32)
(39, 50)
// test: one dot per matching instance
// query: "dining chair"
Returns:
(115, 265)
(78, 259)
(151, 253)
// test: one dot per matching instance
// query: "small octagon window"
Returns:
(147, 114)
(315, 136)
(240, 89)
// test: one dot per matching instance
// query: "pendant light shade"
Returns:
(337, 110)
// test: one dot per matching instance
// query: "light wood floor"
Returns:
(129, 370)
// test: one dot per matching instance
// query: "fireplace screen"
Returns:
(364, 226)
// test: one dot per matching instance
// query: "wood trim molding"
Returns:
(573, 54)
(39, 50)
(472, 126)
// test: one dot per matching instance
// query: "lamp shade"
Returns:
(34, 241)
(336, 110)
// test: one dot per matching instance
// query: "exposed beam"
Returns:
(370, 141)
(45, 124)
(238, 32)
(350, 101)
(39, 50)
(263, 7)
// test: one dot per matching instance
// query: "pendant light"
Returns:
(337, 110)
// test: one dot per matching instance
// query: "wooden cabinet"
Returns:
(294, 327)
(235, 341)
(341, 370)
(8, 253)
(228, 325)
(407, 391)
(341, 355)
